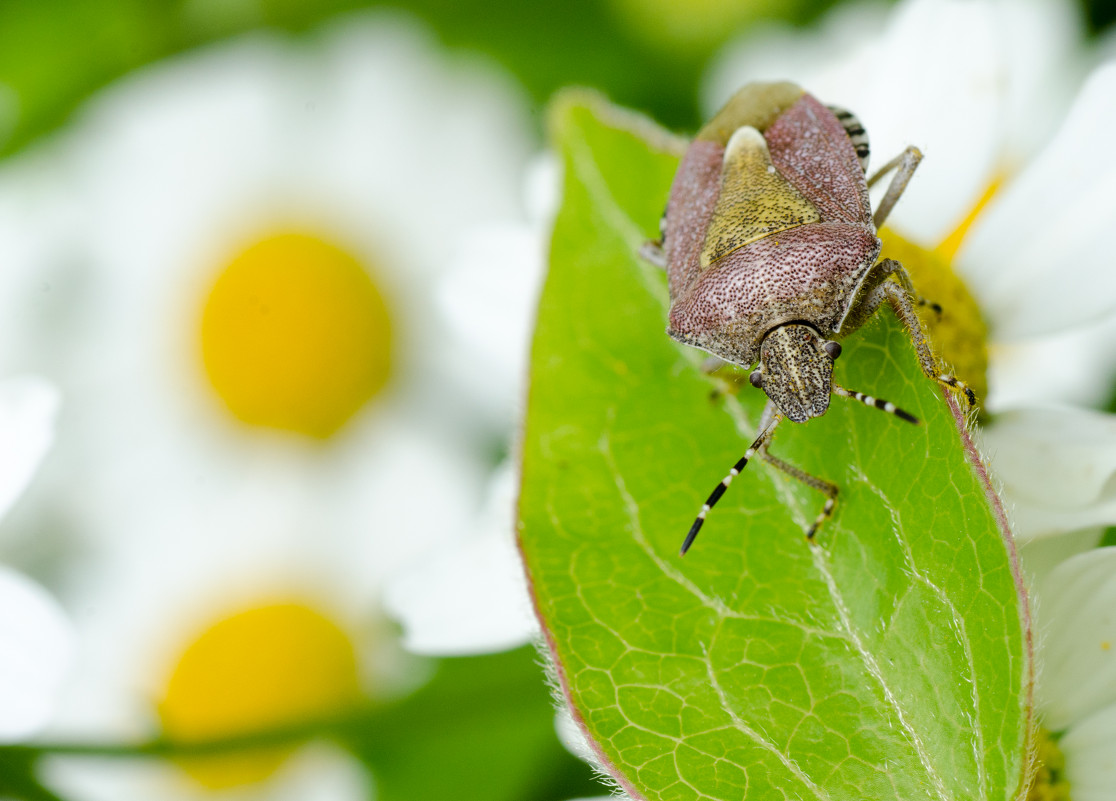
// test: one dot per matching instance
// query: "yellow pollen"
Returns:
(295, 335)
(952, 243)
(1106, 645)
(1049, 782)
(259, 669)
(959, 336)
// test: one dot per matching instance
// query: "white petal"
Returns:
(818, 58)
(1042, 51)
(450, 135)
(35, 650)
(28, 407)
(1056, 465)
(1040, 259)
(572, 736)
(488, 302)
(940, 76)
(320, 772)
(474, 598)
(316, 772)
(1075, 618)
(542, 190)
(1090, 751)
(1040, 556)
(1076, 367)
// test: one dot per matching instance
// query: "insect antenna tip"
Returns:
(691, 536)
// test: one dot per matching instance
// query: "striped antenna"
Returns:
(724, 485)
(878, 403)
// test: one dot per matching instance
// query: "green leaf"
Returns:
(889, 661)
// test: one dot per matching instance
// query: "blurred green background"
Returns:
(648, 54)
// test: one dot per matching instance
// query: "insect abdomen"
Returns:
(856, 133)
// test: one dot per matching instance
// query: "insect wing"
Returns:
(693, 197)
(811, 149)
(755, 200)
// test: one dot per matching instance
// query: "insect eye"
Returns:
(756, 378)
(833, 349)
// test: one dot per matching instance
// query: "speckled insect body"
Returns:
(771, 252)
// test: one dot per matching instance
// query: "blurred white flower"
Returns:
(473, 598)
(233, 257)
(490, 295)
(36, 638)
(1056, 465)
(316, 773)
(1075, 615)
(36, 641)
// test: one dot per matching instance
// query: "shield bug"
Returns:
(770, 247)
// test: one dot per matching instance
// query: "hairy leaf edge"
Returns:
(1026, 622)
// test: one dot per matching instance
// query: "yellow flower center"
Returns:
(295, 335)
(259, 669)
(1049, 782)
(959, 335)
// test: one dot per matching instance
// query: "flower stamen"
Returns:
(260, 668)
(1049, 782)
(295, 335)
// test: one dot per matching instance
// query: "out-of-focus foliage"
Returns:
(54, 54)
(482, 728)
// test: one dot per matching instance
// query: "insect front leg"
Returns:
(906, 163)
(826, 488)
(652, 251)
(901, 296)
(904, 278)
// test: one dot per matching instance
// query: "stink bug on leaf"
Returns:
(770, 248)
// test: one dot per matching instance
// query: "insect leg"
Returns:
(904, 278)
(712, 364)
(906, 163)
(653, 252)
(827, 488)
(652, 249)
(761, 440)
(900, 295)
